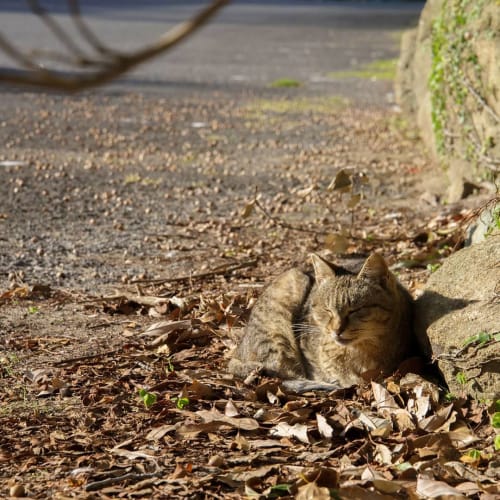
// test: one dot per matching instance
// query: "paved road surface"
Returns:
(249, 45)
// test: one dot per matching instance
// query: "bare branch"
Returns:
(14, 53)
(85, 31)
(58, 32)
(106, 68)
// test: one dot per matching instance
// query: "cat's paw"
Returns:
(301, 385)
(252, 377)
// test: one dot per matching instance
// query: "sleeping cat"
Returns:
(323, 330)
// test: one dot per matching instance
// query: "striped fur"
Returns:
(323, 330)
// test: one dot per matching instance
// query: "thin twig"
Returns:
(291, 227)
(117, 66)
(224, 269)
(86, 32)
(57, 31)
(284, 224)
(110, 481)
(13, 52)
(143, 300)
(481, 100)
(87, 357)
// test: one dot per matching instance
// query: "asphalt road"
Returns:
(249, 45)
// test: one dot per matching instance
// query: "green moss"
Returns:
(382, 69)
(455, 71)
(285, 83)
(324, 105)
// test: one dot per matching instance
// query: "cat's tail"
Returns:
(303, 385)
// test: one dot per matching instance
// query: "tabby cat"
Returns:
(324, 329)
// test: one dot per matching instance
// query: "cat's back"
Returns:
(287, 292)
(268, 341)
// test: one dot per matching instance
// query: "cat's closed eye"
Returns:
(370, 313)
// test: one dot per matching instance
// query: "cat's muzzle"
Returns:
(340, 338)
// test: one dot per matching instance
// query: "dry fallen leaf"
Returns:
(429, 488)
(336, 243)
(342, 182)
(311, 491)
(298, 431)
(324, 428)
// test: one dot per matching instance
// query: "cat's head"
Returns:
(355, 308)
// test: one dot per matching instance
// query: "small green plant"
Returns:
(461, 378)
(181, 402)
(474, 454)
(495, 420)
(480, 338)
(450, 397)
(280, 490)
(7, 364)
(497, 442)
(148, 398)
(170, 365)
(455, 83)
(285, 83)
(33, 310)
(495, 223)
(432, 268)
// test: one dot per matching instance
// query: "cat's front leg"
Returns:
(246, 369)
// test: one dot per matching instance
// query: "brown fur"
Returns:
(323, 330)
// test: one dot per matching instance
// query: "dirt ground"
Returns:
(121, 211)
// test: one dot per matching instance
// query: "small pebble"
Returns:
(17, 491)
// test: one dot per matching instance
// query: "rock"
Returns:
(17, 490)
(485, 225)
(465, 141)
(459, 312)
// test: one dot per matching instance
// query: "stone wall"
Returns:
(448, 83)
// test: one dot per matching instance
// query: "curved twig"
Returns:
(108, 68)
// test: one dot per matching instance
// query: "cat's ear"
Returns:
(322, 271)
(375, 268)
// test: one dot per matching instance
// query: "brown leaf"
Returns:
(302, 193)
(242, 475)
(200, 390)
(376, 426)
(311, 491)
(248, 210)
(383, 454)
(386, 486)
(404, 420)
(230, 409)
(336, 243)
(385, 402)
(164, 327)
(181, 471)
(359, 493)
(243, 423)
(442, 420)
(298, 431)
(324, 428)
(354, 200)
(429, 488)
(342, 182)
(462, 436)
(322, 476)
(158, 432)
(240, 443)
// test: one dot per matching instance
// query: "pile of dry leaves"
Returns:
(125, 394)
(157, 416)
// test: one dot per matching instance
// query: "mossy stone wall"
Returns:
(448, 81)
